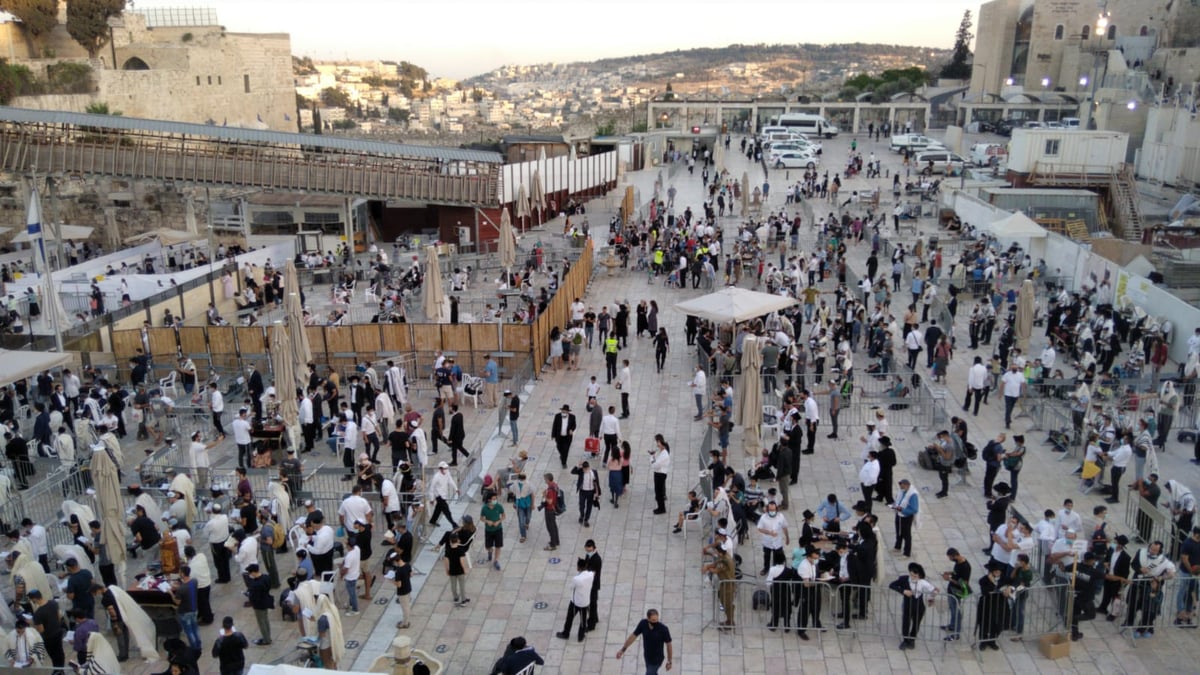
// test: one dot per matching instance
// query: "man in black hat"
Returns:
(1116, 575)
(563, 431)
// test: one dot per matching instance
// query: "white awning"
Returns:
(166, 236)
(1016, 226)
(733, 304)
(18, 365)
(67, 232)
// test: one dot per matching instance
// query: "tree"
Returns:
(38, 16)
(958, 68)
(316, 120)
(399, 115)
(101, 108)
(333, 97)
(15, 80)
(87, 22)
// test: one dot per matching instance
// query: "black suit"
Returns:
(458, 434)
(561, 439)
(1112, 588)
(256, 389)
(594, 564)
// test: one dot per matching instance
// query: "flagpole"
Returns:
(33, 226)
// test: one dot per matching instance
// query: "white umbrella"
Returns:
(189, 215)
(749, 411)
(1024, 326)
(537, 196)
(295, 317)
(435, 298)
(745, 194)
(732, 304)
(522, 204)
(508, 241)
(284, 364)
(112, 509)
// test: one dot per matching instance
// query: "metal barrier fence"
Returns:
(1146, 522)
(1150, 609)
(824, 608)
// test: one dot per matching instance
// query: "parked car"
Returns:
(914, 142)
(981, 154)
(796, 159)
(940, 161)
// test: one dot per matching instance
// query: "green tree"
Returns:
(477, 94)
(344, 124)
(15, 80)
(606, 128)
(958, 68)
(38, 16)
(87, 22)
(333, 97)
(317, 121)
(399, 115)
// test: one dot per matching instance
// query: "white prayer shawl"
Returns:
(909, 494)
(1151, 461)
(6, 488)
(147, 502)
(336, 638)
(33, 644)
(1179, 493)
(109, 439)
(82, 512)
(101, 660)
(65, 552)
(282, 502)
(307, 593)
(29, 569)
(182, 483)
(140, 626)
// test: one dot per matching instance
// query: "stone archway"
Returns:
(135, 63)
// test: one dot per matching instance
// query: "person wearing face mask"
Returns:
(917, 592)
(1068, 519)
(594, 565)
(992, 614)
(773, 527)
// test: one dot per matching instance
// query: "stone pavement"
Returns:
(646, 566)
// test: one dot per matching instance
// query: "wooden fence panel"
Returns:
(339, 339)
(125, 344)
(427, 337)
(517, 338)
(162, 342)
(456, 338)
(485, 336)
(396, 337)
(192, 339)
(250, 340)
(222, 340)
(316, 342)
(367, 339)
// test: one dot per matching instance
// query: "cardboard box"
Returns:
(1055, 646)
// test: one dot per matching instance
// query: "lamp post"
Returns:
(1101, 26)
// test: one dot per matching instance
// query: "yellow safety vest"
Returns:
(658, 257)
(610, 346)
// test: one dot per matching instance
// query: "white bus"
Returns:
(808, 124)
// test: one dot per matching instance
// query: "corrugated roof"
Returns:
(353, 145)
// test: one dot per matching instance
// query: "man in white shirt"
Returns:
(390, 498)
(610, 430)
(868, 476)
(370, 434)
(577, 310)
(581, 596)
(1013, 383)
(773, 527)
(247, 551)
(241, 437)
(625, 384)
(320, 545)
(1048, 357)
(660, 465)
(307, 422)
(912, 342)
(1004, 542)
(216, 531)
(441, 487)
(385, 412)
(699, 386)
(355, 507)
(1119, 460)
(216, 404)
(349, 573)
(36, 536)
(1068, 519)
(977, 378)
(812, 418)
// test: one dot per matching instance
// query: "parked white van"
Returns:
(981, 154)
(807, 123)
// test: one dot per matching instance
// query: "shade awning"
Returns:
(164, 235)
(1018, 225)
(732, 304)
(67, 232)
(18, 365)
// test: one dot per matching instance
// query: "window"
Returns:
(197, 80)
(1143, 31)
(1051, 148)
(246, 83)
(1086, 32)
(1058, 31)
(218, 79)
(210, 80)
(1112, 32)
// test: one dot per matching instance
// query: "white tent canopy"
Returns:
(164, 235)
(67, 232)
(733, 304)
(17, 365)
(1021, 229)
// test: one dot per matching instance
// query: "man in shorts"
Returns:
(493, 528)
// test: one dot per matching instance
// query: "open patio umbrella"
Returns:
(112, 509)
(522, 205)
(745, 194)
(435, 298)
(284, 364)
(301, 350)
(507, 243)
(718, 158)
(749, 412)
(1024, 327)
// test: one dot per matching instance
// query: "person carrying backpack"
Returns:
(554, 504)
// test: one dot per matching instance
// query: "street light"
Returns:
(1101, 26)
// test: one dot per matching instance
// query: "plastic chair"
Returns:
(471, 384)
(168, 384)
(770, 412)
(692, 519)
(369, 294)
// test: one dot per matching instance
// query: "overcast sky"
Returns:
(460, 38)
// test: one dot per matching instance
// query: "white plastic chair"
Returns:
(369, 294)
(471, 382)
(770, 412)
(692, 519)
(168, 384)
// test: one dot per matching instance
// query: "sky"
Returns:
(461, 38)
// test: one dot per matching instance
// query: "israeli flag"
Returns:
(33, 227)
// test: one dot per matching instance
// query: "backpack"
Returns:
(761, 600)
(847, 390)
(279, 541)
(560, 501)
